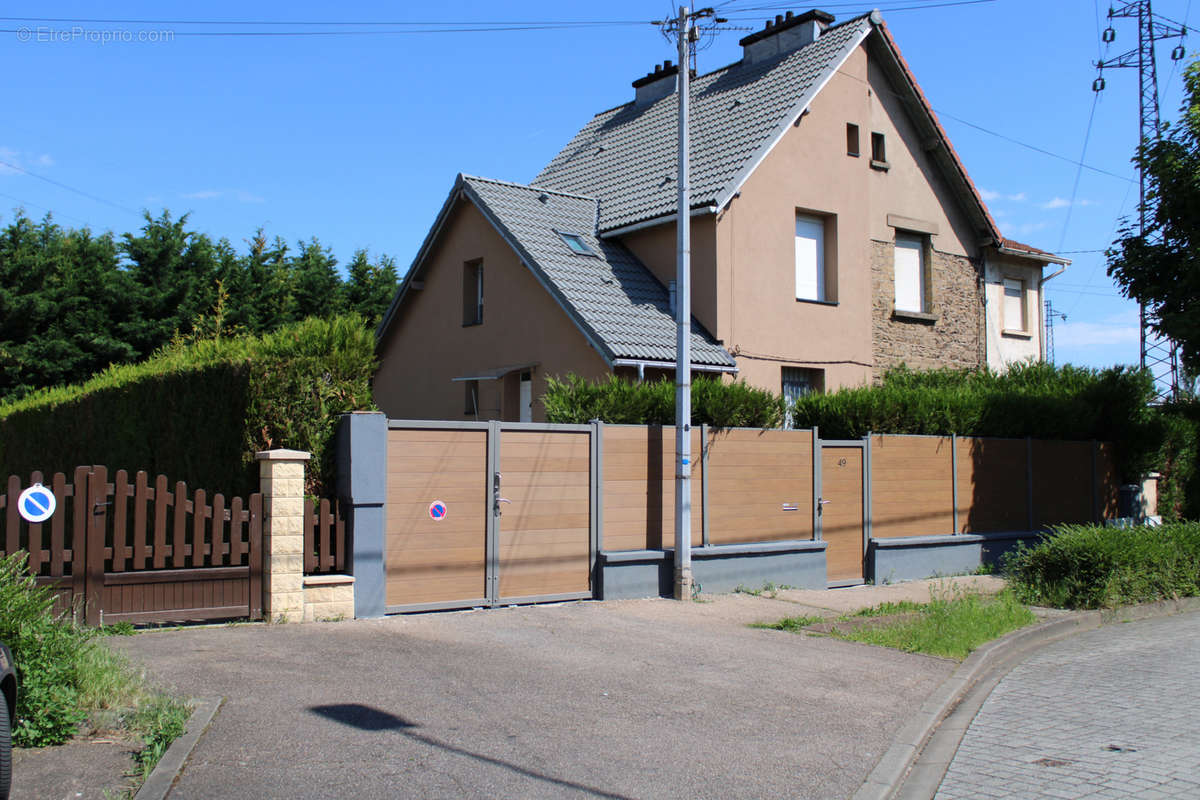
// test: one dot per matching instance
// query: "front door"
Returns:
(841, 512)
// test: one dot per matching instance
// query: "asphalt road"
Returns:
(646, 698)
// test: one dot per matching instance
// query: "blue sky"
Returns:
(356, 138)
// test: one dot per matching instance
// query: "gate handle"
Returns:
(823, 501)
(503, 500)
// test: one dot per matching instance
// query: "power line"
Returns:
(62, 185)
(1079, 171)
(321, 23)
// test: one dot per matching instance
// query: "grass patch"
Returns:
(789, 624)
(1089, 566)
(950, 625)
(769, 589)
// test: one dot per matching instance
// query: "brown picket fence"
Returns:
(324, 537)
(140, 551)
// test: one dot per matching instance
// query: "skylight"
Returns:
(576, 243)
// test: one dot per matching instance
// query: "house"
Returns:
(835, 234)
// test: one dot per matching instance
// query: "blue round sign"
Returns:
(437, 510)
(36, 504)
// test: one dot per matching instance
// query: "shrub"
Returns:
(618, 401)
(47, 652)
(197, 411)
(1037, 399)
(1088, 566)
(1179, 481)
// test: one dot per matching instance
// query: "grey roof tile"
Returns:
(613, 294)
(626, 157)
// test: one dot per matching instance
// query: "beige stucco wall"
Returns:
(1004, 346)
(809, 170)
(656, 248)
(427, 344)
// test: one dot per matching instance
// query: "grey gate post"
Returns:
(362, 485)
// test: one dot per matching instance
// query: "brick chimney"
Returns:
(784, 34)
(657, 84)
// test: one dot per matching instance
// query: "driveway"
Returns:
(643, 698)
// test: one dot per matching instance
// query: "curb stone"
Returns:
(165, 773)
(914, 765)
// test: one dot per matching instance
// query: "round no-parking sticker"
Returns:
(36, 504)
(437, 510)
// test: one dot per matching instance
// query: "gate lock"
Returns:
(496, 494)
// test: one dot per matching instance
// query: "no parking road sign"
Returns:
(437, 510)
(36, 503)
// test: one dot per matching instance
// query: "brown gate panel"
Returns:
(759, 485)
(639, 487)
(912, 486)
(544, 541)
(842, 514)
(436, 560)
(1062, 482)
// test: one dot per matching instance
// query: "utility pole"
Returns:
(1160, 356)
(1049, 314)
(684, 28)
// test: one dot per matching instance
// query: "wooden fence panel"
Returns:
(639, 487)
(993, 485)
(912, 486)
(1063, 476)
(100, 562)
(1108, 481)
(759, 485)
(324, 537)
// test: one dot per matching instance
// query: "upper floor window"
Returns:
(472, 293)
(577, 244)
(852, 139)
(1015, 314)
(911, 273)
(879, 151)
(815, 273)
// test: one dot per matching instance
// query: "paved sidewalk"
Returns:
(1106, 714)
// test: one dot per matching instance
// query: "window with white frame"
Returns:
(1015, 315)
(910, 273)
(816, 257)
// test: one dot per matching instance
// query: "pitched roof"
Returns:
(615, 300)
(626, 156)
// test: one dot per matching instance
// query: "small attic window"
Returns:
(578, 246)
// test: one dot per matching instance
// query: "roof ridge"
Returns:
(530, 186)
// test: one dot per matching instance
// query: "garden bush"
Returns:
(1179, 478)
(197, 411)
(724, 405)
(1088, 566)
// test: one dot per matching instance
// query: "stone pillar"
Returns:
(281, 478)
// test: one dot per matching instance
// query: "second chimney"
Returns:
(784, 34)
(657, 84)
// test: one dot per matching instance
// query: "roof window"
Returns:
(578, 246)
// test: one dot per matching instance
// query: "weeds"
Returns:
(789, 624)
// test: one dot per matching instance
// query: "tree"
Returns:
(317, 283)
(1160, 268)
(369, 287)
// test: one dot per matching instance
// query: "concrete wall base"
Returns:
(717, 568)
(912, 558)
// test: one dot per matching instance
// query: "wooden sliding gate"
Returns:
(140, 552)
(489, 513)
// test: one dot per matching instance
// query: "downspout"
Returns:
(1042, 309)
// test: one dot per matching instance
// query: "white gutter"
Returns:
(642, 364)
(1044, 257)
(656, 221)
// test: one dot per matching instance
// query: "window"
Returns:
(578, 246)
(797, 382)
(471, 398)
(810, 257)
(473, 293)
(1014, 305)
(852, 139)
(910, 273)
(878, 151)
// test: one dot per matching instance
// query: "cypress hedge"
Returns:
(1039, 400)
(198, 411)
(724, 405)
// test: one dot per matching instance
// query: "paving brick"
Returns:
(1115, 704)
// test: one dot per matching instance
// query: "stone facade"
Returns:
(952, 335)
(328, 598)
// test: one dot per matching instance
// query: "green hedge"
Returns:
(1179, 481)
(1038, 400)
(198, 411)
(724, 405)
(1087, 566)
